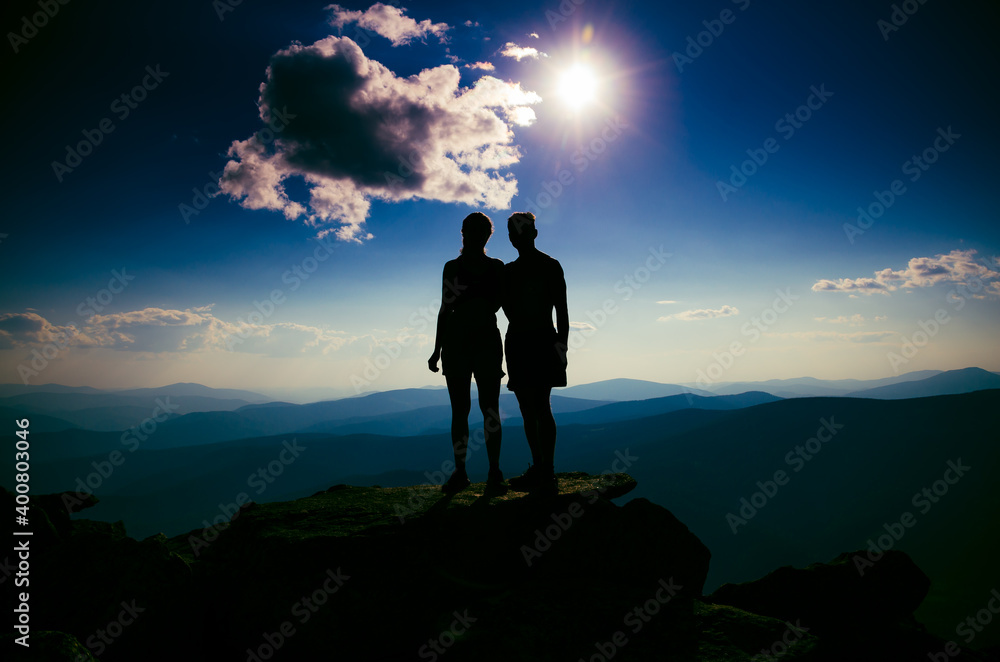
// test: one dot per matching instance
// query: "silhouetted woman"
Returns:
(468, 343)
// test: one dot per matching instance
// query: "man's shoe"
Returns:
(525, 481)
(545, 486)
(494, 484)
(459, 481)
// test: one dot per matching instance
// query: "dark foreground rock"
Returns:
(412, 574)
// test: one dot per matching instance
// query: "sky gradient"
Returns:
(268, 192)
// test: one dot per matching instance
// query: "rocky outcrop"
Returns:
(412, 574)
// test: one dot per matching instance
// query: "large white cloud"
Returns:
(955, 267)
(354, 131)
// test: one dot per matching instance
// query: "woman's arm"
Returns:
(447, 302)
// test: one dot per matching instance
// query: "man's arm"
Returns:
(562, 310)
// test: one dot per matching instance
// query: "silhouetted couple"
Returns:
(468, 344)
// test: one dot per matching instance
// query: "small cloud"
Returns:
(854, 320)
(582, 325)
(511, 49)
(389, 22)
(470, 24)
(485, 66)
(666, 302)
(702, 314)
(534, 35)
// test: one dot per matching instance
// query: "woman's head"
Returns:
(476, 231)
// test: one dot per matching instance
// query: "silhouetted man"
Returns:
(536, 353)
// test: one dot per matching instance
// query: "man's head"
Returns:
(477, 228)
(521, 229)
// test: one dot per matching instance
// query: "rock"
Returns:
(406, 573)
(836, 596)
(412, 558)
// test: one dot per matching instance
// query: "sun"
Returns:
(578, 86)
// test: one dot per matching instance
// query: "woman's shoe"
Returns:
(459, 481)
(494, 484)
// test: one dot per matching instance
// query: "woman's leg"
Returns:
(461, 403)
(489, 404)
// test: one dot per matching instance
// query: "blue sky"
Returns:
(618, 184)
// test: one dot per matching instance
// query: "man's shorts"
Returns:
(479, 354)
(535, 360)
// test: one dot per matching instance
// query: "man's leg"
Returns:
(545, 430)
(526, 404)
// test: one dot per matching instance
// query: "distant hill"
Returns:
(618, 390)
(107, 411)
(807, 387)
(7, 390)
(37, 422)
(966, 380)
(186, 388)
(621, 411)
(438, 418)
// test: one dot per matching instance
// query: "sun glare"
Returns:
(578, 87)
